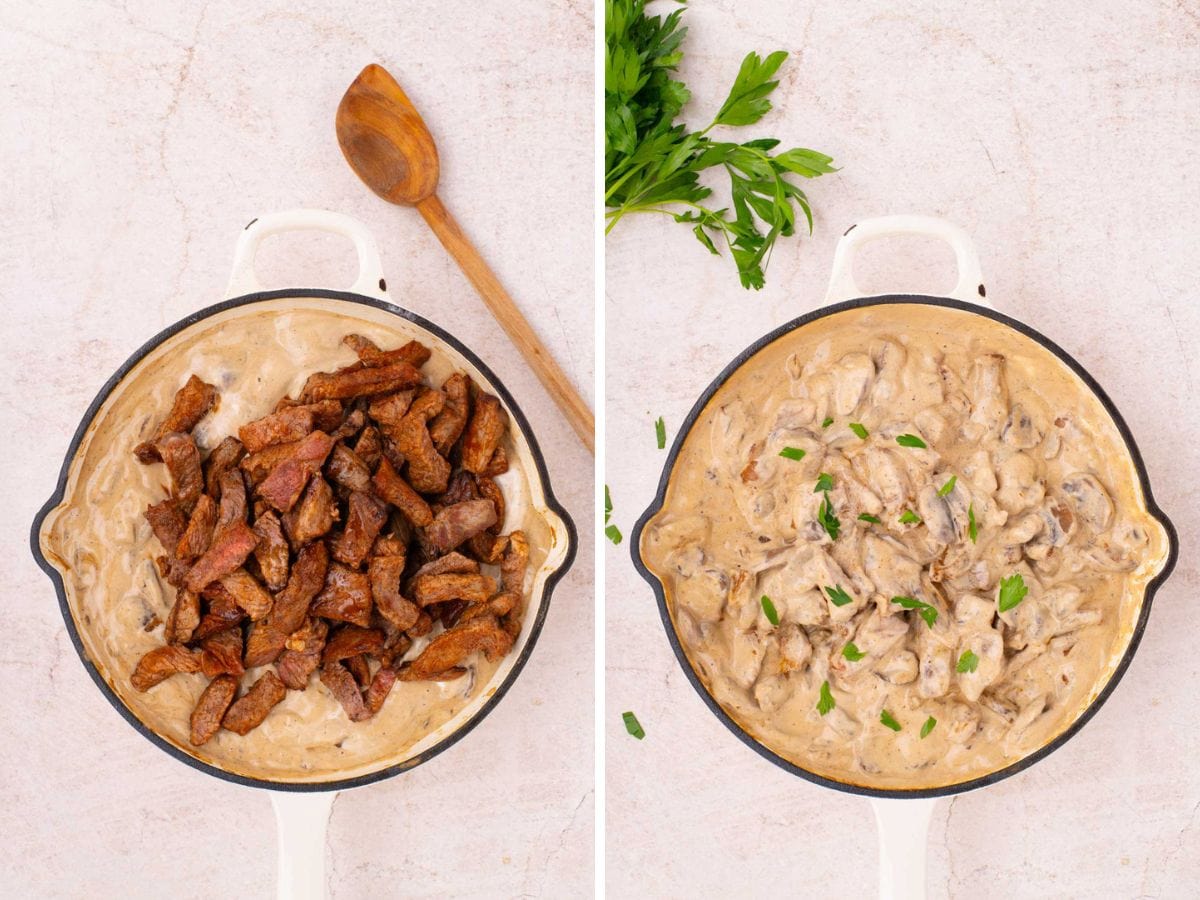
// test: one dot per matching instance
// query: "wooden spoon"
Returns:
(388, 146)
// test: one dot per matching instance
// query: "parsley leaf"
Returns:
(828, 421)
(948, 486)
(769, 610)
(826, 702)
(632, 725)
(908, 517)
(929, 725)
(972, 528)
(653, 164)
(824, 483)
(927, 612)
(911, 440)
(852, 653)
(828, 520)
(858, 429)
(793, 453)
(613, 533)
(607, 505)
(838, 597)
(867, 517)
(968, 662)
(660, 432)
(1012, 592)
(886, 718)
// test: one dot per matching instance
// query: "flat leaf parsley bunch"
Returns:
(653, 165)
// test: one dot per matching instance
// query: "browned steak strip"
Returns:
(268, 637)
(247, 593)
(347, 468)
(427, 589)
(484, 431)
(281, 427)
(342, 685)
(233, 499)
(428, 471)
(385, 572)
(198, 535)
(381, 686)
(447, 426)
(282, 488)
(369, 446)
(182, 459)
(349, 383)
(253, 706)
(497, 465)
(351, 640)
(272, 550)
(451, 563)
(192, 403)
(313, 516)
(451, 648)
(407, 673)
(346, 596)
(365, 517)
(414, 352)
(206, 717)
(512, 568)
(161, 663)
(389, 409)
(302, 654)
(225, 456)
(455, 524)
(396, 491)
(168, 523)
(258, 466)
(223, 612)
(183, 618)
(228, 551)
(222, 653)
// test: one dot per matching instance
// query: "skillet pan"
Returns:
(903, 815)
(302, 804)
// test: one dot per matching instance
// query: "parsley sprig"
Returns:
(653, 164)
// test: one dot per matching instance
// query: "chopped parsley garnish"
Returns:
(859, 429)
(769, 610)
(613, 533)
(911, 440)
(793, 453)
(826, 701)
(632, 725)
(828, 421)
(948, 486)
(1012, 592)
(828, 520)
(867, 517)
(888, 721)
(852, 653)
(968, 662)
(927, 612)
(972, 528)
(607, 505)
(908, 517)
(660, 432)
(838, 597)
(824, 483)
(929, 725)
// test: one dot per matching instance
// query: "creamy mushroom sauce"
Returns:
(102, 544)
(1036, 457)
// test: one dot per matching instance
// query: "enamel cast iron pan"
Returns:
(302, 808)
(903, 815)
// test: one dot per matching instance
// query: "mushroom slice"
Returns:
(936, 515)
(1090, 500)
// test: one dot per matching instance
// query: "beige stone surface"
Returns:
(136, 139)
(1063, 137)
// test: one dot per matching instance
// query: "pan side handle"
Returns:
(301, 820)
(969, 288)
(903, 830)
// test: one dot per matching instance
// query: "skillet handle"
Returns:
(842, 286)
(903, 830)
(369, 280)
(301, 820)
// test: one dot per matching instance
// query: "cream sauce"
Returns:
(1037, 462)
(101, 542)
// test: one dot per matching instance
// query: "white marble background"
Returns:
(136, 139)
(1063, 137)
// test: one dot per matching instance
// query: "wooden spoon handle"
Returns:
(509, 316)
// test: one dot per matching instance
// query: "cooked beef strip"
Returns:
(385, 573)
(342, 685)
(247, 593)
(455, 524)
(313, 516)
(414, 352)
(281, 427)
(389, 409)
(428, 589)
(267, 638)
(225, 456)
(192, 403)
(222, 653)
(228, 551)
(368, 446)
(248, 712)
(360, 669)
(233, 499)
(168, 523)
(272, 550)
(351, 640)
(302, 654)
(365, 517)
(381, 686)
(347, 468)
(161, 663)
(183, 618)
(452, 563)
(428, 471)
(451, 648)
(258, 466)
(223, 612)
(447, 426)
(497, 465)
(346, 596)
(349, 383)
(483, 433)
(182, 458)
(282, 488)
(206, 717)
(198, 535)
(396, 491)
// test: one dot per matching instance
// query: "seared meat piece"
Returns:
(351, 640)
(389, 409)
(258, 466)
(206, 717)
(281, 427)
(454, 563)
(223, 612)
(233, 499)
(282, 488)
(451, 648)
(408, 673)
(414, 352)
(168, 523)
(192, 403)
(365, 519)
(342, 685)
(161, 663)
(428, 471)
(396, 491)
(484, 430)
(182, 459)
(455, 524)
(247, 593)
(302, 654)
(272, 550)
(516, 560)
(345, 467)
(447, 426)
(369, 447)
(199, 532)
(346, 596)
(224, 457)
(222, 653)
(385, 573)
(267, 638)
(497, 465)
(348, 383)
(313, 516)
(381, 686)
(253, 706)
(428, 589)
(184, 617)
(228, 551)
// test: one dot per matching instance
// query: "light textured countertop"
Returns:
(1065, 143)
(136, 140)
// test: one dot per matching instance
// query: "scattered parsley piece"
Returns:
(613, 533)
(1012, 592)
(972, 528)
(793, 453)
(660, 432)
(908, 517)
(888, 721)
(867, 517)
(828, 421)
(858, 429)
(968, 662)
(948, 486)
(929, 725)
(852, 652)
(632, 725)
(826, 701)
(824, 483)
(607, 505)
(911, 440)
(769, 610)
(927, 612)
(831, 523)
(838, 597)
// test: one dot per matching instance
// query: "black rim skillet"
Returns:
(1026, 761)
(454, 737)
